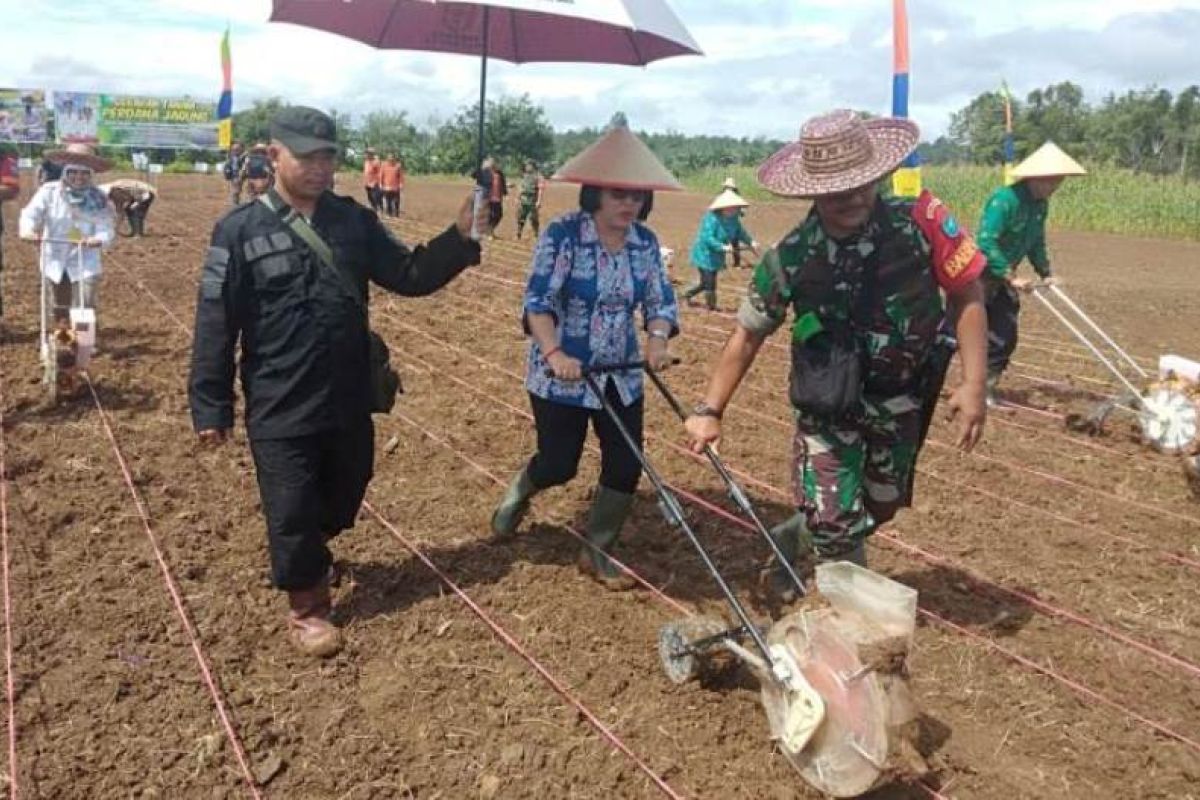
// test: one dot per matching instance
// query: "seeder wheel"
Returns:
(674, 640)
(1170, 419)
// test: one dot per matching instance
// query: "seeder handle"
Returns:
(672, 503)
(735, 490)
(1087, 343)
(600, 369)
(1107, 339)
(603, 369)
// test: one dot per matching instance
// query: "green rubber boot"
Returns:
(792, 537)
(609, 511)
(513, 506)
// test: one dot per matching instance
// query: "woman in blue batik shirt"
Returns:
(594, 272)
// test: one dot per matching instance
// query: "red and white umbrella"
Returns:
(632, 32)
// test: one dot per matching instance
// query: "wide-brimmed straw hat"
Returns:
(837, 152)
(618, 160)
(1048, 161)
(79, 153)
(727, 199)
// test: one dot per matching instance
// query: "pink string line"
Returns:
(177, 598)
(8, 646)
(517, 648)
(665, 599)
(1075, 686)
(1028, 599)
(499, 632)
(1060, 480)
(137, 280)
(517, 256)
(775, 345)
(1006, 404)
(583, 540)
(1167, 555)
(1071, 440)
(1068, 682)
(1019, 659)
(1139, 545)
(1041, 605)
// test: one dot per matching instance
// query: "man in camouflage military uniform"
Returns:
(533, 187)
(864, 277)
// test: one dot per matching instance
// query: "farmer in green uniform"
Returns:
(1014, 229)
(865, 278)
(533, 189)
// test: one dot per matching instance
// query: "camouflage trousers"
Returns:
(528, 210)
(849, 478)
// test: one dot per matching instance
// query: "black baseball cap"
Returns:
(304, 130)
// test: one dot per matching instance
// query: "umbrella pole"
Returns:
(483, 84)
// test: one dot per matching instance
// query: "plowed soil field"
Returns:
(1056, 656)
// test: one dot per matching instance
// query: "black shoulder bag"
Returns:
(829, 368)
(385, 381)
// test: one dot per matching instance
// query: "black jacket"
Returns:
(304, 346)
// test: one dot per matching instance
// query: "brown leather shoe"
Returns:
(308, 622)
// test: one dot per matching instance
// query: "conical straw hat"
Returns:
(727, 199)
(1048, 161)
(618, 160)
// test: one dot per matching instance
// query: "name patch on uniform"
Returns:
(961, 259)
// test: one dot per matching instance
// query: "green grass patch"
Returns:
(1106, 200)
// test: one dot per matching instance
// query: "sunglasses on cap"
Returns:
(637, 195)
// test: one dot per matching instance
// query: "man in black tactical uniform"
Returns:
(288, 277)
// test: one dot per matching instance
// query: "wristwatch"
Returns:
(657, 334)
(705, 410)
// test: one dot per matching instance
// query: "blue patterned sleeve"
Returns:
(548, 272)
(660, 296)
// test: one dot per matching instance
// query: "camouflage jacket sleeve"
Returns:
(765, 306)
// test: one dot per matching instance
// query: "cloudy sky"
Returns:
(767, 64)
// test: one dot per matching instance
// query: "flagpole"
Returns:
(906, 181)
(1009, 145)
(225, 105)
(483, 86)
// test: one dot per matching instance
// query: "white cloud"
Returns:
(769, 63)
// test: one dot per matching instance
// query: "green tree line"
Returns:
(1149, 130)
(515, 128)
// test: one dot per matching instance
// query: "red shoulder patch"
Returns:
(957, 260)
